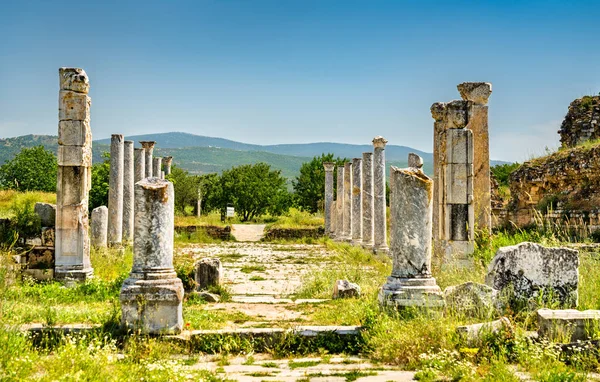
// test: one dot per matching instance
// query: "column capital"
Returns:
(167, 160)
(379, 142)
(147, 144)
(329, 166)
(476, 92)
(415, 161)
(74, 79)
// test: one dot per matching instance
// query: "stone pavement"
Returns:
(248, 232)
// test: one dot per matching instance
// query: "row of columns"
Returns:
(358, 213)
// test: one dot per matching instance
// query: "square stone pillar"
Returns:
(115, 191)
(74, 177)
(379, 207)
(151, 298)
(477, 94)
(128, 182)
(367, 200)
(356, 201)
(411, 282)
(347, 234)
(148, 147)
(329, 167)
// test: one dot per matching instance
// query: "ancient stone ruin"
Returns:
(128, 182)
(115, 191)
(582, 122)
(367, 200)
(99, 231)
(379, 205)
(72, 251)
(148, 147)
(329, 167)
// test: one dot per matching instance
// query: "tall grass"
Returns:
(10, 197)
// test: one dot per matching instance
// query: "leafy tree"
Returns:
(100, 177)
(502, 172)
(252, 189)
(309, 186)
(32, 169)
(188, 188)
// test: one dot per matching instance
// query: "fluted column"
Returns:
(379, 207)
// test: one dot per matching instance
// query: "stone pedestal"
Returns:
(156, 167)
(476, 95)
(115, 191)
(139, 156)
(379, 207)
(356, 200)
(99, 229)
(367, 200)
(148, 147)
(411, 282)
(208, 272)
(329, 166)
(128, 182)
(339, 233)
(72, 246)
(151, 298)
(167, 162)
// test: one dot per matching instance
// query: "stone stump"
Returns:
(328, 166)
(151, 298)
(357, 200)
(139, 156)
(99, 229)
(207, 273)
(128, 182)
(148, 147)
(411, 282)
(379, 207)
(115, 191)
(367, 200)
(72, 246)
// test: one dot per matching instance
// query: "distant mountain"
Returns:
(200, 155)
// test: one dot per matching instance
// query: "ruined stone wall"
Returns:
(582, 122)
(562, 186)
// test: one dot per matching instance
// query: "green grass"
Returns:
(296, 364)
(252, 268)
(257, 278)
(10, 197)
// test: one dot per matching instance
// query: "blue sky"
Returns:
(280, 71)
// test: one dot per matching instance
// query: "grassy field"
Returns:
(8, 199)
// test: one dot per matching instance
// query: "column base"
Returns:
(76, 274)
(411, 292)
(152, 303)
(381, 250)
(357, 242)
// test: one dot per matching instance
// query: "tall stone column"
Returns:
(151, 298)
(411, 282)
(333, 219)
(167, 162)
(379, 207)
(453, 211)
(99, 229)
(356, 200)
(139, 156)
(476, 94)
(149, 150)
(115, 191)
(367, 200)
(156, 167)
(128, 182)
(74, 177)
(329, 166)
(339, 233)
(347, 234)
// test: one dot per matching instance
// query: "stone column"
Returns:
(329, 166)
(151, 298)
(156, 167)
(128, 182)
(148, 149)
(411, 282)
(379, 207)
(476, 94)
(453, 213)
(340, 203)
(367, 200)
(100, 227)
(139, 156)
(115, 191)
(74, 180)
(347, 234)
(333, 219)
(167, 161)
(356, 200)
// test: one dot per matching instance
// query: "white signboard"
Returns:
(230, 212)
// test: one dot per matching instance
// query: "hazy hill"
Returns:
(200, 154)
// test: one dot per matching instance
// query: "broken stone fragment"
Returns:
(528, 270)
(74, 79)
(472, 333)
(47, 213)
(345, 289)
(569, 324)
(206, 296)
(208, 272)
(471, 299)
(476, 92)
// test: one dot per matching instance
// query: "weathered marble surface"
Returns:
(570, 324)
(208, 272)
(128, 182)
(329, 167)
(367, 200)
(379, 206)
(340, 203)
(148, 147)
(99, 230)
(167, 162)
(115, 190)
(347, 234)
(151, 298)
(356, 200)
(156, 167)
(139, 156)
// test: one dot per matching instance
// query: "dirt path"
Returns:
(248, 232)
